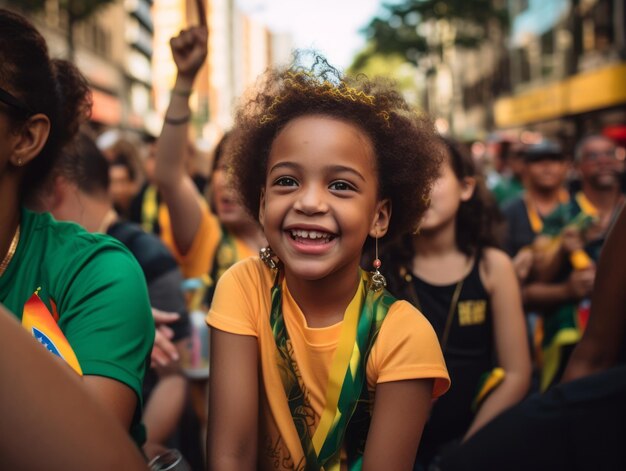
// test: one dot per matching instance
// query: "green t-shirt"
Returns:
(99, 292)
(507, 189)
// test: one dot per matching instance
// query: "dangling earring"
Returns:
(267, 256)
(378, 280)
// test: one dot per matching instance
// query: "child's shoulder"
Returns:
(403, 317)
(494, 256)
(407, 348)
(250, 270)
(495, 266)
(241, 296)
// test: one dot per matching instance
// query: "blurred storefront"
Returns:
(568, 69)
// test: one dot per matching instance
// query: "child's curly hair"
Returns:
(405, 143)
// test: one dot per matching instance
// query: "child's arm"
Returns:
(509, 336)
(400, 412)
(233, 402)
(189, 50)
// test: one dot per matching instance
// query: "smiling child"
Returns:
(313, 363)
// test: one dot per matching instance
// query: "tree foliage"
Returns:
(390, 66)
(408, 27)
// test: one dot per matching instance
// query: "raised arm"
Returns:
(233, 403)
(604, 335)
(510, 338)
(189, 50)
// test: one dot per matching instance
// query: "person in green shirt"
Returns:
(510, 186)
(81, 295)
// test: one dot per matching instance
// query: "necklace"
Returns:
(443, 340)
(412, 292)
(12, 248)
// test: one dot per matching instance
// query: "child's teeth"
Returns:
(309, 234)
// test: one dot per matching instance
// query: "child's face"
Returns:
(446, 197)
(320, 199)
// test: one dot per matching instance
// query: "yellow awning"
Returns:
(580, 93)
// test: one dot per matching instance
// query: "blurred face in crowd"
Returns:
(122, 187)
(447, 195)
(228, 209)
(150, 161)
(516, 161)
(598, 165)
(545, 172)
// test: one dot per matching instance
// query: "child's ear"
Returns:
(468, 186)
(30, 139)
(380, 223)
(262, 207)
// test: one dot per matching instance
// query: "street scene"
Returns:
(291, 235)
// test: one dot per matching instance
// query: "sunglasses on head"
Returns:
(22, 108)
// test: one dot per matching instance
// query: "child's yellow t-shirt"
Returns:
(406, 348)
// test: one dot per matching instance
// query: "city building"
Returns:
(123, 50)
(113, 49)
(567, 69)
(240, 49)
(558, 69)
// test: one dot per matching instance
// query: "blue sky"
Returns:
(329, 26)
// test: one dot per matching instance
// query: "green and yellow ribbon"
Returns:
(225, 257)
(347, 398)
(149, 209)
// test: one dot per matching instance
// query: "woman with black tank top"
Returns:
(467, 289)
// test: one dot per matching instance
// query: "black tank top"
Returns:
(469, 352)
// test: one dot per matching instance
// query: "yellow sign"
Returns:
(597, 89)
(472, 312)
(580, 93)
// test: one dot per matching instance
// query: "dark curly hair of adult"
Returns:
(52, 87)
(478, 221)
(405, 144)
